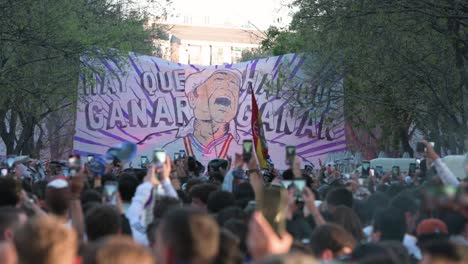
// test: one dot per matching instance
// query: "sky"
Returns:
(238, 13)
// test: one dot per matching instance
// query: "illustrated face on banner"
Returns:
(216, 99)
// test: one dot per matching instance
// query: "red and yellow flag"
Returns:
(261, 147)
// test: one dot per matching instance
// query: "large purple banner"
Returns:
(206, 111)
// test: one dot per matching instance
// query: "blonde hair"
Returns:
(118, 250)
(46, 240)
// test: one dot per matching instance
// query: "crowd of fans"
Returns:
(185, 212)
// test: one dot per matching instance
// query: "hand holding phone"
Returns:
(110, 192)
(290, 155)
(144, 162)
(247, 148)
(176, 156)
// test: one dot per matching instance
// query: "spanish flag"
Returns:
(261, 147)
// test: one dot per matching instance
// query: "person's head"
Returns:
(128, 184)
(187, 235)
(431, 229)
(194, 166)
(117, 250)
(219, 166)
(339, 196)
(57, 197)
(239, 228)
(370, 253)
(229, 248)
(243, 193)
(330, 241)
(389, 224)
(409, 206)
(376, 201)
(45, 240)
(199, 195)
(228, 213)
(102, 221)
(10, 191)
(10, 219)
(440, 252)
(218, 200)
(163, 205)
(347, 218)
(214, 95)
(456, 222)
(91, 196)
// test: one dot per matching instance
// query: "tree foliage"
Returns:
(404, 64)
(41, 43)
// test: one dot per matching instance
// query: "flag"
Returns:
(260, 144)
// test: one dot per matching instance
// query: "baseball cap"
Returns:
(431, 226)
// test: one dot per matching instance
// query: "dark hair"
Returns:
(192, 183)
(332, 237)
(58, 200)
(91, 196)
(128, 184)
(340, 196)
(229, 249)
(151, 231)
(218, 200)
(374, 253)
(194, 166)
(193, 236)
(347, 218)
(101, 221)
(391, 223)
(228, 213)
(454, 220)
(243, 193)
(202, 191)
(376, 201)
(10, 191)
(163, 205)
(240, 229)
(9, 219)
(442, 249)
(216, 164)
(405, 202)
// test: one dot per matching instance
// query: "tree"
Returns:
(404, 64)
(41, 43)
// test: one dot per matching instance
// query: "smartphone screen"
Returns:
(182, 153)
(159, 156)
(110, 192)
(296, 186)
(379, 170)
(412, 168)
(4, 172)
(365, 168)
(290, 154)
(176, 156)
(144, 161)
(65, 172)
(395, 172)
(247, 146)
(74, 162)
(90, 158)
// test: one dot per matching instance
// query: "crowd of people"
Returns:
(182, 211)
